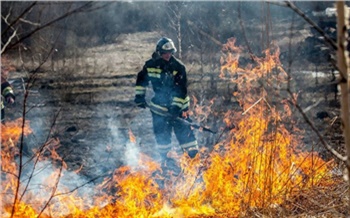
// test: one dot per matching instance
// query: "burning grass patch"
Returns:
(260, 168)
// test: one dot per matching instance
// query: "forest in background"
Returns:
(67, 26)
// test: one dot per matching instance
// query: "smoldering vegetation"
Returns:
(80, 71)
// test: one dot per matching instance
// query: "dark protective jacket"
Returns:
(169, 83)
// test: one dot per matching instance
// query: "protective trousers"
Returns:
(163, 126)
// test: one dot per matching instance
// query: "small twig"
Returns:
(53, 191)
(252, 105)
(334, 119)
(29, 22)
(268, 104)
(312, 106)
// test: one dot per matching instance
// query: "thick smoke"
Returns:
(45, 180)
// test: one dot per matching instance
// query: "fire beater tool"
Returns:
(186, 122)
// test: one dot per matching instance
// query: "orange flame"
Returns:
(260, 164)
(261, 159)
(132, 136)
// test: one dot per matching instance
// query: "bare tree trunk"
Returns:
(342, 62)
(179, 36)
(175, 16)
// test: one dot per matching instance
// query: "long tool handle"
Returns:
(186, 122)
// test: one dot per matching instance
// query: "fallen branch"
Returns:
(252, 106)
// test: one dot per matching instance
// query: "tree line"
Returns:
(192, 25)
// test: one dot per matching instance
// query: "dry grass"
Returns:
(95, 71)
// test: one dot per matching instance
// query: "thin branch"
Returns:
(303, 111)
(29, 22)
(323, 142)
(53, 191)
(9, 172)
(85, 183)
(26, 94)
(8, 41)
(77, 10)
(244, 32)
(204, 33)
(99, 7)
(14, 34)
(18, 18)
(292, 6)
(244, 112)
(312, 106)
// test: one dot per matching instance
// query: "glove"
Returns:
(140, 101)
(174, 111)
(192, 152)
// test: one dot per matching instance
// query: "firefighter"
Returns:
(168, 77)
(7, 93)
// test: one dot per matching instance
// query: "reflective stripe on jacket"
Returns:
(169, 83)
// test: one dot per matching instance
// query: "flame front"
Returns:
(259, 164)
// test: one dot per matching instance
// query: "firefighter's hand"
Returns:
(140, 102)
(192, 152)
(10, 100)
(186, 115)
(174, 111)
